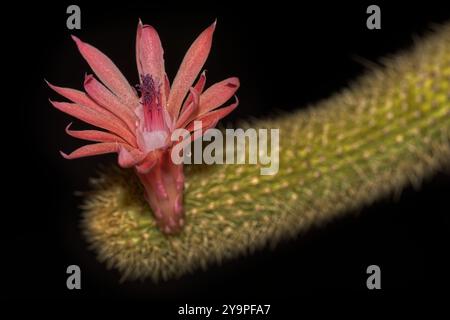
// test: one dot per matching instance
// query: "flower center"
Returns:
(151, 101)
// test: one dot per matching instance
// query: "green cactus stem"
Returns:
(389, 129)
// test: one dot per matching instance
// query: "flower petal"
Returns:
(217, 95)
(94, 135)
(189, 111)
(73, 95)
(109, 101)
(129, 158)
(80, 98)
(107, 72)
(92, 150)
(199, 86)
(99, 119)
(138, 48)
(210, 119)
(150, 52)
(190, 67)
(166, 85)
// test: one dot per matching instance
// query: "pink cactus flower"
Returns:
(138, 123)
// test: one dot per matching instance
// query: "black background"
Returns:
(286, 57)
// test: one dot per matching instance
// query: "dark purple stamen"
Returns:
(147, 89)
(151, 102)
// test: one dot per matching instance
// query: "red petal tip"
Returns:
(193, 91)
(147, 26)
(51, 86)
(76, 39)
(56, 104)
(65, 156)
(68, 126)
(87, 78)
(233, 83)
